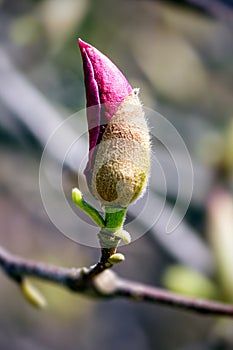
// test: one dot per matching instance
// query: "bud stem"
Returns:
(114, 218)
(113, 224)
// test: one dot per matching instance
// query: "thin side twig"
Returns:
(15, 266)
(81, 280)
(140, 292)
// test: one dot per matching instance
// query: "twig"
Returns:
(140, 292)
(16, 266)
(81, 280)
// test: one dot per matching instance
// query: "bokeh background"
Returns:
(180, 54)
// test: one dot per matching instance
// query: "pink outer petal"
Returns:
(113, 87)
(93, 102)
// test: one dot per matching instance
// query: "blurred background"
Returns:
(180, 54)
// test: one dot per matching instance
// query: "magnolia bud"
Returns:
(119, 152)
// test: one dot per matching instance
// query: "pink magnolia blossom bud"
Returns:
(119, 146)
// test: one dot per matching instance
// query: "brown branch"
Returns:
(140, 292)
(15, 266)
(82, 280)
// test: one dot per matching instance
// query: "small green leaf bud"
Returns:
(116, 258)
(32, 294)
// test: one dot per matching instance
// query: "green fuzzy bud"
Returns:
(122, 162)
